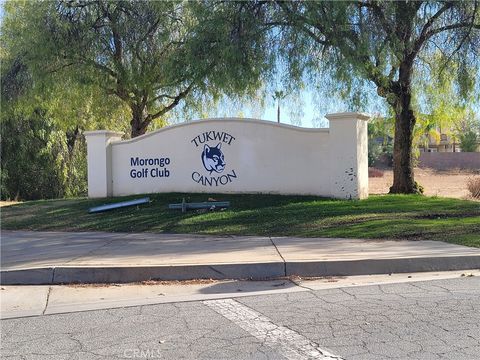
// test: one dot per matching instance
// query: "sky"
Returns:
(306, 109)
(312, 114)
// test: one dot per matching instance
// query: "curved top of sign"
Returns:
(210, 120)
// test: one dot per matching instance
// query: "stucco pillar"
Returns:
(349, 155)
(99, 157)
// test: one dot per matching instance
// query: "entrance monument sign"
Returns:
(234, 156)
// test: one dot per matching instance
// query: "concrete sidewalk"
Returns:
(89, 257)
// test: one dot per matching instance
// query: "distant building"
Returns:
(447, 143)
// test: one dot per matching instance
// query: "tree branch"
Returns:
(430, 21)
(61, 67)
(426, 34)
(452, 27)
(174, 103)
(101, 67)
(379, 14)
(314, 36)
(162, 96)
(464, 38)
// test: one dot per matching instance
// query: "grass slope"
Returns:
(390, 216)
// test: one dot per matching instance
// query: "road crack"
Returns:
(47, 300)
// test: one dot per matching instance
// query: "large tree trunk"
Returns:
(139, 122)
(403, 177)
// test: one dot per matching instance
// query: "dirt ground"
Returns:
(451, 183)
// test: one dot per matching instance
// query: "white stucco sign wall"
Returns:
(233, 156)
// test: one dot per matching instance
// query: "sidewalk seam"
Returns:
(281, 256)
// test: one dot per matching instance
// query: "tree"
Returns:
(438, 95)
(43, 152)
(469, 133)
(383, 42)
(468, 141)
(380, 135)
(149, 54)
(278, 96)
(30, 147)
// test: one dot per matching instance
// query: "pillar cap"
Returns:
(102, 133)
(348, 116)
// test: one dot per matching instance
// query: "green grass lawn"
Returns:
(390, 216)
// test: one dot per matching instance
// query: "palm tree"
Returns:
(277, 96)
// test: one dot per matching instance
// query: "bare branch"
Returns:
(161, 96)
(427, 32)
(430, 21)
(101, 67)
(61, 67)
(460, 44)
(174, 103)
(314, 36)
(452, 27)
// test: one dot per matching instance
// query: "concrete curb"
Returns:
(382, 266)
(254, 271)
(102, 274)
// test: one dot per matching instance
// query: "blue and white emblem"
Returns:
(213, 159)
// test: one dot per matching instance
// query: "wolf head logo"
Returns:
(213, 159)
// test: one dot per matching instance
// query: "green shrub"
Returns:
(377, 151)
(36, 161)
(468, 141)
(374, 151)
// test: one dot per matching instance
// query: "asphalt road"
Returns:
(423, 320)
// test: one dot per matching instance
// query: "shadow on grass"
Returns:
(390, 216)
